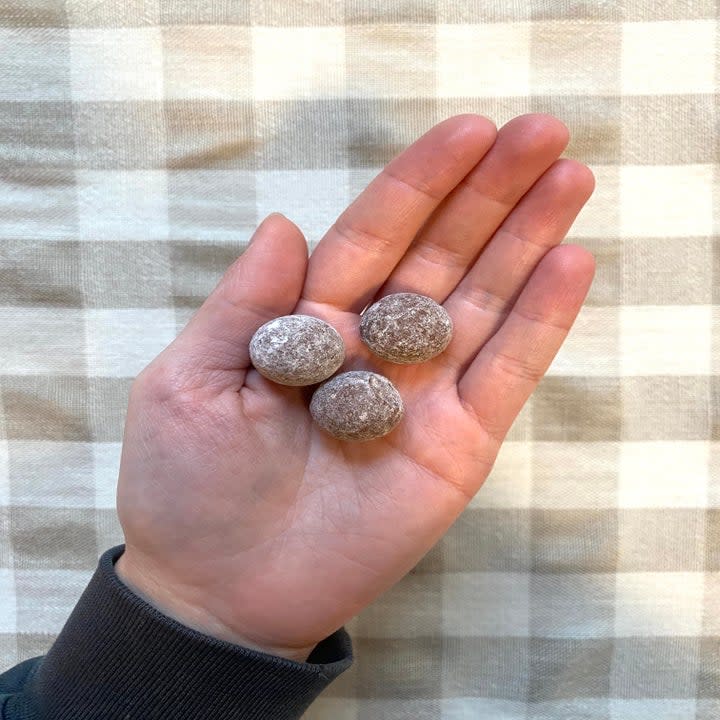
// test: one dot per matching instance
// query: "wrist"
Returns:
(173, 605)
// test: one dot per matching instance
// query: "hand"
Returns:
(241, 517)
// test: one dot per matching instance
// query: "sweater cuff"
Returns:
(119, 657)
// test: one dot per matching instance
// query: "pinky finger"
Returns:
(510, 365)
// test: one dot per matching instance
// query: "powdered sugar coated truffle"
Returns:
(406, 328)
(357, 405)
(297, 350)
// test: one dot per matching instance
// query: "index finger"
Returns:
(360, 250)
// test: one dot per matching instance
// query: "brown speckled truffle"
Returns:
(357, 405)
(406, 328)
(296, 350)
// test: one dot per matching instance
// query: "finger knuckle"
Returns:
(517, 367)
(364, 239)
(484, 300)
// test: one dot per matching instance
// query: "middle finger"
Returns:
(360, 250)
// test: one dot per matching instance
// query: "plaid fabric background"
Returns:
(140, 144)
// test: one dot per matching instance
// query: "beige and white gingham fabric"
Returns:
(140, 144)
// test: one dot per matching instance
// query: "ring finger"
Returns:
(487, 293)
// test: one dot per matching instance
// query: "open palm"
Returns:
(243, 518)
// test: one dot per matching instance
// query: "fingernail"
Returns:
(254, 235)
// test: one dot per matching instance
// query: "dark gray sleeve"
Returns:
(119, 657)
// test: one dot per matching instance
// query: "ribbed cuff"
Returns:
(119, 657)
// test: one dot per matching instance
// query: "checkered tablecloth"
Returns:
(140, 144)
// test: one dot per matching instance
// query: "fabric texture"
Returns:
(140, 144)
(118, 657)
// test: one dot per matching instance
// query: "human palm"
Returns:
(243, 518)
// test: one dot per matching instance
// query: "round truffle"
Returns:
(296, 350)
(357, 405)
(406, 328)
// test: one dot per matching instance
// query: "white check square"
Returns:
(664, 474)
(4, 474)
(122, 204)
(666, 200)
(122, 341)
(471, 708)
(35, 474)
(106, 465)
(41, 340)
(569, 475)
(115, 64)
(668, 57)
(665, 340)
(657, 604)
(46, 598)
(483, 60)
(8, 611)
(711, 623)
(298, 62)
(651, 709)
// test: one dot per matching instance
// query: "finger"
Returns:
(539, 222)
(453, 237)
(368, 239)
(263, 283)
(508, 368)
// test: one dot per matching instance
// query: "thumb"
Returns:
(263, 283)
